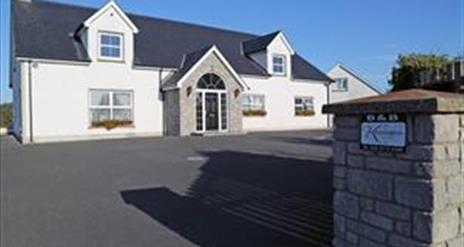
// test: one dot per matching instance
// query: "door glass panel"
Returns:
(223, 111)
(211, 107)
(199, 112)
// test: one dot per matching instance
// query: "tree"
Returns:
(6, 115)
(406, 73)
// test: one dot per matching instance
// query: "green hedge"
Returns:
(6, 115)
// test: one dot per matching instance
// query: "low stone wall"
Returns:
(414, 198)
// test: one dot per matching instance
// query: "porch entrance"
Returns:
(211, 104)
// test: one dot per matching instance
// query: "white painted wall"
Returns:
(60, 99)
(279, 99)
(356, 88)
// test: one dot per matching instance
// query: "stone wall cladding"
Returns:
(415, 198)
(212, 64)
(171, 112)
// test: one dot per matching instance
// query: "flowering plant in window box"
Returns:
(305, 113)
(254, 113)
(111, 124)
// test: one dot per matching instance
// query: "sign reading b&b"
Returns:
(383, 132)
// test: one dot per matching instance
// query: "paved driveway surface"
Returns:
(270, 189)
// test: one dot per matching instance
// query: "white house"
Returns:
(348, 85)
(80, 73)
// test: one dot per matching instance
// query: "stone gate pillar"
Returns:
(399, 172)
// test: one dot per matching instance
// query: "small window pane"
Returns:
(278, 60)
(115, 40)
(122, 99)
(105, 39)
(100, 98)
(115, 52)
(105, 51)
(122, 114)
(98, 115)
(278, 69)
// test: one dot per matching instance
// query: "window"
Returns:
(110, 105)
(304, 106)
(110, 46)
(253, 105)
(253, 102)
(211, 81)
(341, 84)
(278, 64)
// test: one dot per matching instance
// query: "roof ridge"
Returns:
(137, 15)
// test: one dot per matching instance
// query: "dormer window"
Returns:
(110, 46)
(341, 85)
(278, 64)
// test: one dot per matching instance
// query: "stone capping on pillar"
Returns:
(407, 101)
(400, 199)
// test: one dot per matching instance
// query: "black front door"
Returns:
(212, 111)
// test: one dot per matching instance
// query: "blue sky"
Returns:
(365, 35)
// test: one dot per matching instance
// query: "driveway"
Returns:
(267, 189)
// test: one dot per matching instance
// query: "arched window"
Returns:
(211, 81)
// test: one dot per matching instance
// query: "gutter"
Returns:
(29, 91)
(328, 101)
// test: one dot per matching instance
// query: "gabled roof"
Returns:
(261, 43)
(111, 4)
(194, 59)
(159, 43)
(357, 76)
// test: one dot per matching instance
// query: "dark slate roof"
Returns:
(45, 30)
(187, 63)
(259, 44)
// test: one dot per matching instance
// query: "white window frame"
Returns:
(283, 65)
(303, 103)
(111, 105)
(252, 104)
(338, 83)
(121, 46)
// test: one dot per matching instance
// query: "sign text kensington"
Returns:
(383, 132)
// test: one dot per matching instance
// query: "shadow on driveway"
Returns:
(243, 199)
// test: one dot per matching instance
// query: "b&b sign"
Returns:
(383, 132)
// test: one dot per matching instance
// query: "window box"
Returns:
(254, 113)
(304, 113)
(112, 123)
